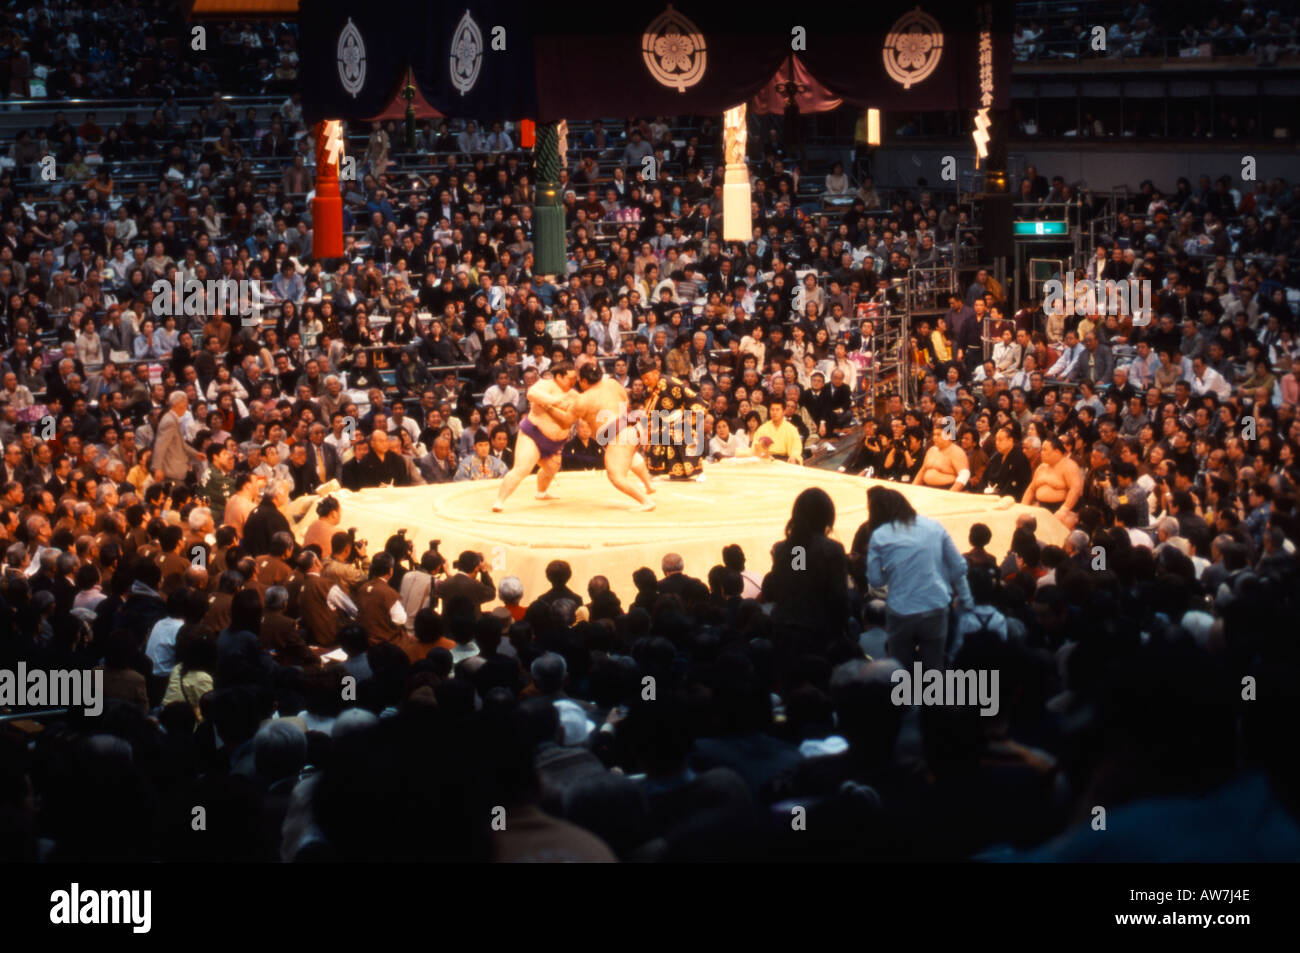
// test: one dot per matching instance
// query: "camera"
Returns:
(433, 561)
(401, 549)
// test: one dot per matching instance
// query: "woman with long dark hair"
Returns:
(486, 365)
(288, 322)
(398, 331)
(888, 506)
(239, 650)
(809, 579)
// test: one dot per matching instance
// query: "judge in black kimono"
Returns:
(676, 416)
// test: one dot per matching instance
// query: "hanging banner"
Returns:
(980, 135)
(926, 59)
(504, 59)
(481, 66)
(353, 60)
(691, 57)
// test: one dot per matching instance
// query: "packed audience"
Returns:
(1157, 36)
(741, 715)
(1137, 29)
(167, 514)
(138, 49)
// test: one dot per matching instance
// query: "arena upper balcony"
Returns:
(1051, 36)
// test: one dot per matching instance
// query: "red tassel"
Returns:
(327, 203)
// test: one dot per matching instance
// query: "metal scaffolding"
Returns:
(885, 331)
(927, 291)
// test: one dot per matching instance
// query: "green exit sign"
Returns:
(1041, 228)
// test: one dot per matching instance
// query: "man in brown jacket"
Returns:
(218, 615)
(195, 546)
(319, 618)
(170, 560)
(379, 607)
(273, 569)
(218, 556)
(280, 633)
(151, 549)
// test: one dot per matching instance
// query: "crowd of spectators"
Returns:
(1184, 412)
(138, 49)
(740, 716)
(164, 509)
(1162, 29)
(1156, 36)
(435, 323)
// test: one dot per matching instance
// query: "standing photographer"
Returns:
(419, 584)
(379, 609)
(471, 581)
(904, 456)
(347, 566)
(403, 552)
(869, 458)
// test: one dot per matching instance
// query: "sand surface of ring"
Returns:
(590, 524)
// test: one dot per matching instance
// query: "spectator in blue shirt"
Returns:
(920, 564)
(481, 464)
(381, 205)
(978, 287)
(1260, 499)
(948, 389)
(288, 286)
(102, 56)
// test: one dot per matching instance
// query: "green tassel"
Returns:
(408, 93)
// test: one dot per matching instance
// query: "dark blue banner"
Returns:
(482, 63)
(354, 55)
